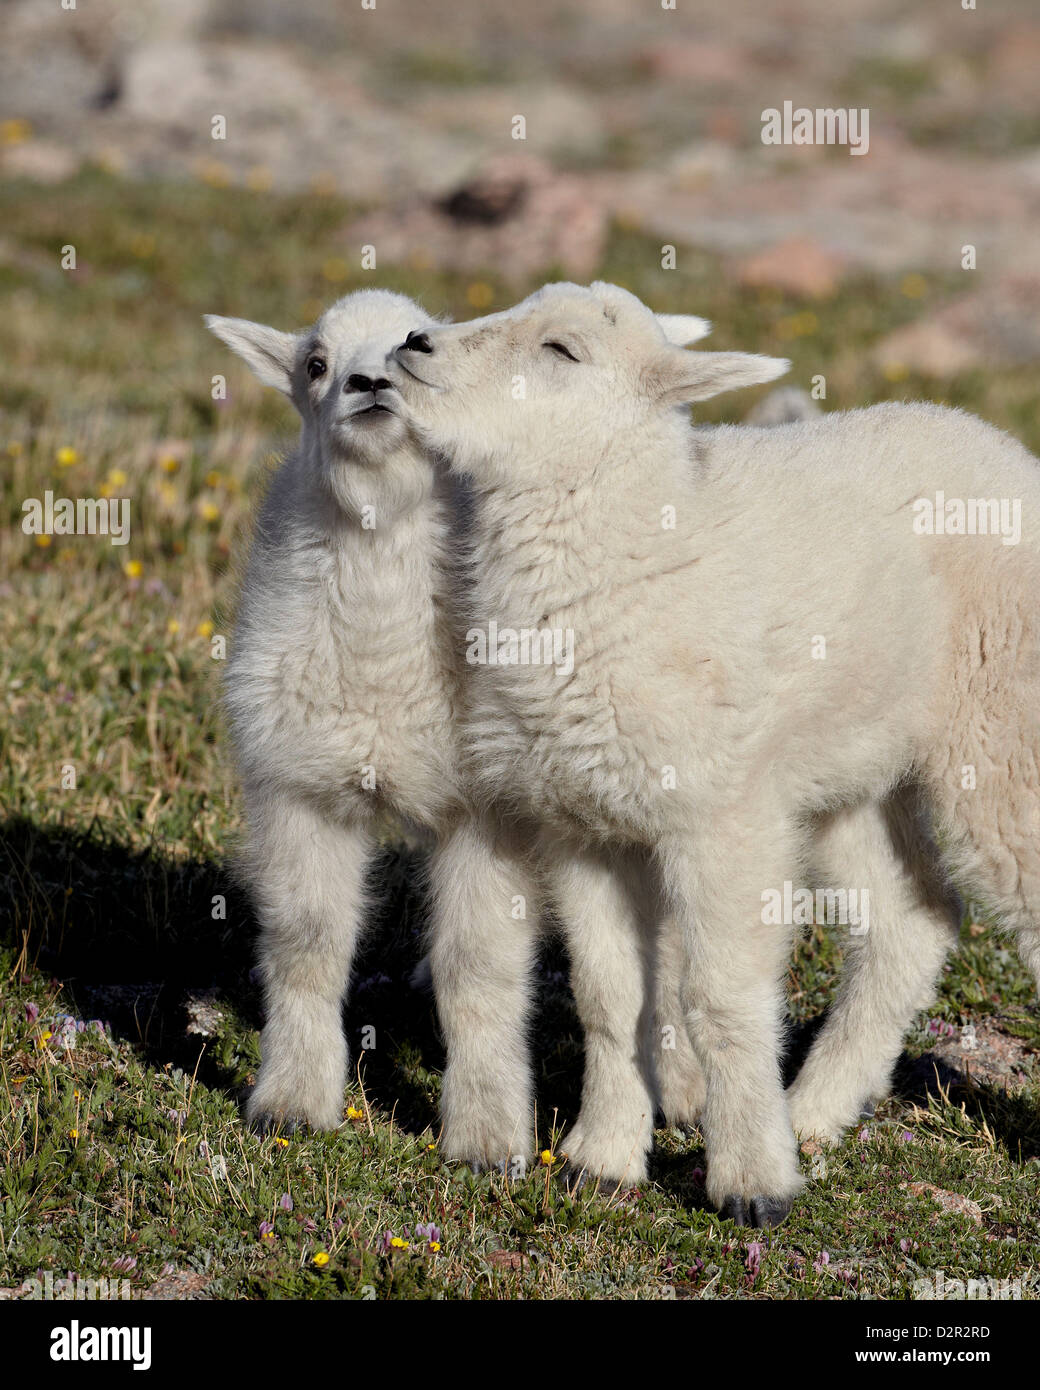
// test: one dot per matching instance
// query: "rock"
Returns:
(989, 1054)
(515, 217)
(998, 325)
(204, 1018)
(704, 61)
(559, 120)
(783, 406)
(929, 347)
(42, 161)
(508, 1259)
(704, 162)
(1014, 62)
(799, 265)
(180, 1284)
(948, 1201)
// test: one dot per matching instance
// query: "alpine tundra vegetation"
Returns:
(776, 677)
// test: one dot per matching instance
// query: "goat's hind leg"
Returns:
(892, 958)
(681, 1087)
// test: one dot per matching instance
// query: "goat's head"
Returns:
(334, 373)
(560, 376)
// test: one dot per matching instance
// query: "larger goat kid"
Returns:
(343, 689)
(779, 668)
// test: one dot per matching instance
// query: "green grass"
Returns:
(128, 1147)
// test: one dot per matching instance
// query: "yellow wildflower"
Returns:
(321, 1259)
(133, 569)
(209, 511)
(914, 286)
(117, 477)
(398, 1244)
(213, 173)
(204, 629)
(479, 294)
(66, 456)
(547, 1157)
(353, 1113)
(14, 132)
(43, 540)
(173, 627)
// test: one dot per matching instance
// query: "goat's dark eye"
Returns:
(562, 351)
(316, 367)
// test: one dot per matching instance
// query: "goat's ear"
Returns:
(679, 377)
(270, 354)
(680, 329)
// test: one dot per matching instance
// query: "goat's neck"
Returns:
(541, 547)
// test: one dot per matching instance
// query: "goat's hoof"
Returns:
(266, 1124)
(760, 1212)
(479, 1166)
(576, 1180)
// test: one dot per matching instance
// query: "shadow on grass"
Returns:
(132, 938)
(1013, 1118)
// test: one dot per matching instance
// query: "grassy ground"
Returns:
(121, 1147)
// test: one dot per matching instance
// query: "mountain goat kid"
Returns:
(343, 688)
(781, 667)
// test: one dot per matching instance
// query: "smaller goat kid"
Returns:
(777, 671)
(346, 676)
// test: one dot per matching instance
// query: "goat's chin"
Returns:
(369, 439)
(381, 486)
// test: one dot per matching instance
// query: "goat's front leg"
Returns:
(733, 1000)
(484, 929)
(307, 876)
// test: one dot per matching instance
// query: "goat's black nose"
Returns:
(357, 382)
(418, 342)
